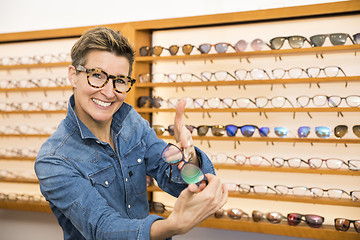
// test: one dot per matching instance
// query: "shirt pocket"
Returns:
(136, 167)
(103, 177)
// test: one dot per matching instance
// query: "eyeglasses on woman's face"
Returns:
(98, 79)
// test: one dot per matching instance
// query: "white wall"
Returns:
(25, 15)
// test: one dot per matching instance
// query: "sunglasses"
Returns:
(155, 102)
(292, 162)
(313, 221)
(173, 50)
(357, 38)
(332, 101)
(189, 173)
(335, 39)
(233, 213)
(257, 45)
(157, 207)
(221, 47)
(341, 130)
(294, 42)
(216, 130)
(343, 224)
(246, 130)
(272, 217)
(160, 130)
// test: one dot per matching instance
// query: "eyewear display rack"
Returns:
(141, 34)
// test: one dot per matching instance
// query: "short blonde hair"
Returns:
(102, 38)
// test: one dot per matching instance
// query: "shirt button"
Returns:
(129, 206)
(106, 183)
(139, 160)
(125, 179)
(97, 141)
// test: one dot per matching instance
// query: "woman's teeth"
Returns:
(101, 103)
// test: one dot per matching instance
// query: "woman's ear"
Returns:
(72, 75)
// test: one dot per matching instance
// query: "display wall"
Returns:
(26, 126)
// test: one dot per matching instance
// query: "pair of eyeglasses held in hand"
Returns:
(189, 172)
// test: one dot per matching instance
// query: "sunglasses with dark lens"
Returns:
(313, 221)
(294, 42)
(355, 196)
(292, 162)
(341, 130)
(155, 102)
(233, 213)
(246, 130)
(343, 224)
(357, 38)
(189, 173)
(216, 130)
(272, 217)
(335, 39)
(157, 207)
(160, 130)
(322, 132)
(221, 47)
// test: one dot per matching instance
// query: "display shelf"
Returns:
(35, 112)
(250, 82)
(264, 53)
(247, 110)
(271, 139)
(34, 89)
(40, 206)
(287, 169)
(326, 232)
(32, 66)
(17, 158)
(19, 180)
(285, 198)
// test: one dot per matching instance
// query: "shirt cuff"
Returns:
(145, 230)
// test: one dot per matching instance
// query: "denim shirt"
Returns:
(98, 193)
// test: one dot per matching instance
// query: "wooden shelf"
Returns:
(264, 53)
(287, 169)
(245, 110)
(35, 112)
(285, 198)
(251, 82)
(25, 135)
(326, 232)
(19, 180)
(34, 89)
(32, 66)
(17, 158)
(270, 139)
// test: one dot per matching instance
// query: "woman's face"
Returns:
(96, 106)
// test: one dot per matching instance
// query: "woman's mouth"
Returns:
(101, 103)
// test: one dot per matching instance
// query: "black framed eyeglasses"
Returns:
(98, 78)
(335, 39)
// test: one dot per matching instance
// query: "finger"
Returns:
(225, 196)
(188, 192)
(179, 118)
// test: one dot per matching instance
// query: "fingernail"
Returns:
(188, 143)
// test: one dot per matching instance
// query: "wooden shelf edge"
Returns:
(268, 139)
(251, 82)
(327, 232)
(26, 206)
(60, 88)
(263, 53)
(287, 169)
(247, 110)
(39, 65)
(35, 112)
